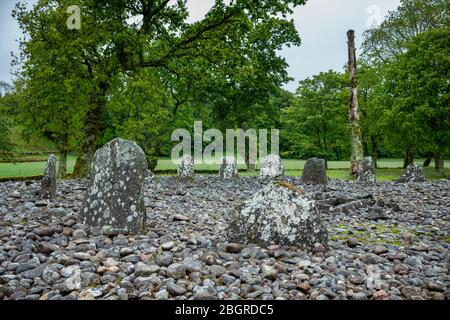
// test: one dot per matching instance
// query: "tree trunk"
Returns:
(63, 150)
(428, 159)
(251, 167)
(408, 157)
(92, 129)
(439, 163)
(375, 150)
(355, 128)
(62, 167)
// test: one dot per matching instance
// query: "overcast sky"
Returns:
(322, 25)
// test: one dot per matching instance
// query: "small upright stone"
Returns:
(367, 173)
(115, 195)
(315, 171)
(413, 173)
(186, 167)
(271, 167)
(48, 184)
(228, 168)
(278, 214)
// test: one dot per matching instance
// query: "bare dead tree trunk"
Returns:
(355, 128)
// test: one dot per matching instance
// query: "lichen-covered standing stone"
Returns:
(367, 172)
(115, 195)
(278, 214)
(228, 168)
(271, 167)
(315, 171)
(186, 167)
(48, 184)
(413, 173)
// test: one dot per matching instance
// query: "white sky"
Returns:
(322, 25)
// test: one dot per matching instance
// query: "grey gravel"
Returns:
(387, 240)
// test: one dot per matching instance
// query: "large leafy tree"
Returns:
(410, 19)
(140, 110)
(6, 91)
(64, 78)
(418, 83)
(384, 122)
(231, 53)
(315, 125)
(119, 39)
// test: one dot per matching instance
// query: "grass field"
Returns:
(389, 169)
(33, 164)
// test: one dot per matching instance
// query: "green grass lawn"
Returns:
(28, 169)
(33, 165)
(389, 169)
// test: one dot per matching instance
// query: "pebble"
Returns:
(185, 253)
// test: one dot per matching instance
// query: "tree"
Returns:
(54, 85)
(382, 45)
(140, 111)
(410, 19)
(6, 91)
(418, 82)
(316, 123)
(355, 128)
(110, 48)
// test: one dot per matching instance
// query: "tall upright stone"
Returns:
(228, 168)
(115, 195)
(48, 184)
(271, 167)
(367, 172)
(413, 173)
(314, 171)
(281, 214)
(186, 167)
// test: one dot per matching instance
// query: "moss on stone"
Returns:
(288, 185)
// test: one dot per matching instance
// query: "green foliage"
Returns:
(410, 19)
(5, 143)
(404, 82)
(52, 91)
(5, 121)
(418, 83)
(140, 112)
(317, 122)
(141, 80)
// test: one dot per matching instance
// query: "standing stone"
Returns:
(413, 173)
(48, 184)
(228, 168)
(271, 167)
(278, 214)
(115, 195)
(315, 171)
(186, 167)
(367, 173)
